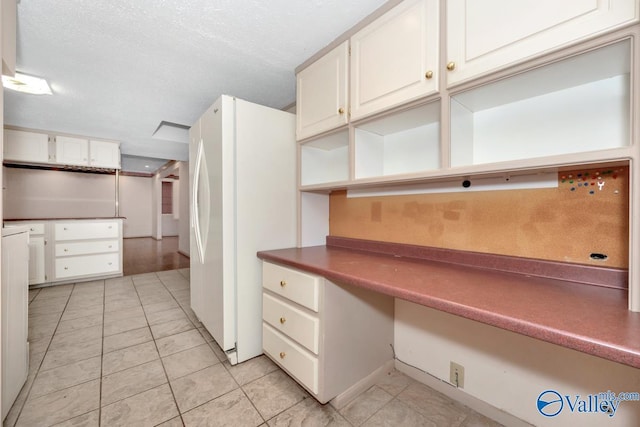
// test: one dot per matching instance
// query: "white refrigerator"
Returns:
(242, 180)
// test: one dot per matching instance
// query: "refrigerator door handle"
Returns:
(194, 209)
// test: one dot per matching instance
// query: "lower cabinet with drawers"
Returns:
(87, 248)
(333, 339)
(62, 251)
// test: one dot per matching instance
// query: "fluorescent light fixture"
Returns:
(26, 84)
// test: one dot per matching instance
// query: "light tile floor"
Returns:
(130, 352)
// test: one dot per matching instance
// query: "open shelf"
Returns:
(325, 160)
(404, 142)
(576, 105)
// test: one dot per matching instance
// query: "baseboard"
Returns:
(460, 396)
(341, 400)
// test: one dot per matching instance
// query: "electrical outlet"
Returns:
(456, 375)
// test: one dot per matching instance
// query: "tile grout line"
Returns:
(104, 308)
(46, 351)
(155, 344)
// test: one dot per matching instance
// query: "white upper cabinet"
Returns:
(72, 151)
(395, 58)
(30, 147)
(104, 154)
(484, 36)
(322, 94)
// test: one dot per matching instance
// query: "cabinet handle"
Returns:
(340, 110)
(283, 283)
(282, 320)
(451, 66)
(428, 75)
(109, 246)
(282, 354)
(109, 263)
(66, 268)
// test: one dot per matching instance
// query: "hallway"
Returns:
(146, 255)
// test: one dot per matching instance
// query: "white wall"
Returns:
(33, 193)
(135, 205)
(169, 225)
(183, 209)
(509, 370)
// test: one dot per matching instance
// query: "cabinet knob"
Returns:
(64, 228)
(428, 75)
(451, 66)
(282, 320)
(66, 250)
(66, 268)
(340, 110)
(283, 283)
(282, 354)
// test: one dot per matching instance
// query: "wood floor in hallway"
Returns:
(148, 255)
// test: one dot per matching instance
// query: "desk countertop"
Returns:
(591, 319)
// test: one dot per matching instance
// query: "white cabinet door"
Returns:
(26, 146)
(72, 151)
(14, 298)
(322, 94)
(483, 36)
(37, 272)
(395, 58)
(104, 154)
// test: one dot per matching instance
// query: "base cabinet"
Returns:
(61, 251)
(87, 248)
(14, 298)
(329, 337)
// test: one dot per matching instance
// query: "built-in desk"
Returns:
(588, 318)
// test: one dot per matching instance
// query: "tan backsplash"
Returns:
(567, 223)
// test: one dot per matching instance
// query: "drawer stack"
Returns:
(309, 325)
(87, 248)
(291, 322)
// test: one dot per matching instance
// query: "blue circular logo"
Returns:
(550, 403)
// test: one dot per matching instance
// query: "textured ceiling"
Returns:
(118, 68)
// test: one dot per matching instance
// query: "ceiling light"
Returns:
(26, 84)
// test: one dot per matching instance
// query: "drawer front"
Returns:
(83, 230)
(293, 358)
(295, 285)
(87, 265)
(86, 248)
(36, 228)
(291, 321)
